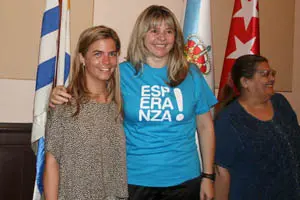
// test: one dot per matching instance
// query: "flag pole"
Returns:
(45, 80)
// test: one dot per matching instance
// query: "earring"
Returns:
(83, 66)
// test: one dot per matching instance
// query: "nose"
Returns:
(272, 74)
(272, 77)
(105, 59)
(162, 35)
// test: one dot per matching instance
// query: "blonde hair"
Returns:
(78, 87)
(137, 52)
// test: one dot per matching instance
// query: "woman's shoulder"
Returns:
(225, 130)
(195, 73)
(57, 117)
(62, 111)
(282, 105)
(125, 65)
(229, 110)
(277, 97)
(194, 69)
(280, 101)
(126, 68)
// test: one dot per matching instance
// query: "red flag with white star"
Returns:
(243, 37)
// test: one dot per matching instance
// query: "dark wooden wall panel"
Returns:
(17, 162)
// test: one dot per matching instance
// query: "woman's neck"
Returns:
(98, 92)
(156, 62)
(261, 109)
(100, 98)
(253, 101)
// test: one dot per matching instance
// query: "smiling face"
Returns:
(100, 60)
(159, 41)
(262, 83)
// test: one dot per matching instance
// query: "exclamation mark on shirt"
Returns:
(178, 96)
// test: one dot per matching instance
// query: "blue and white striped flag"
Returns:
(52, 37)
(198, 37)
(63, 67)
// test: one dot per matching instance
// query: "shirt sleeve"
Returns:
(226, 142)
(54, 133)
(204, 96)
(286, 109)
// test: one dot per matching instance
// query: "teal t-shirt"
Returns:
(160, 124)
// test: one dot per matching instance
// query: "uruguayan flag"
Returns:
(51, 40)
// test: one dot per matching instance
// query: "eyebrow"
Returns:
(96, 51)
(265, 69)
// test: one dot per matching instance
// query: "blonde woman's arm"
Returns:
(51, 177)
(206, 135)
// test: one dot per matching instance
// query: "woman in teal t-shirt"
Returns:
(165, 101)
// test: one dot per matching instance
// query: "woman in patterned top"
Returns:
(257, 137)
(166, 100)
(85, 142)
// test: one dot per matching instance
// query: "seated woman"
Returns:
(257, 137)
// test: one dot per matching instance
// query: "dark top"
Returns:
(263, 157)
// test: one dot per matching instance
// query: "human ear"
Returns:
(244, 82)
(81, 59)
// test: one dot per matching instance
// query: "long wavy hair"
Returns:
(137, 52)
(78, 86)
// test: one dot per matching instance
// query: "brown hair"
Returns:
(244, 66)
(78, 88)
(137, 52)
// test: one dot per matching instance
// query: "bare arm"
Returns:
(222, 183)
(206, 135)
(51, 177)
(59, 96)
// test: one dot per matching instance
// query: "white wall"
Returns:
(103, 12)
(16, 100)
(16, 96)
